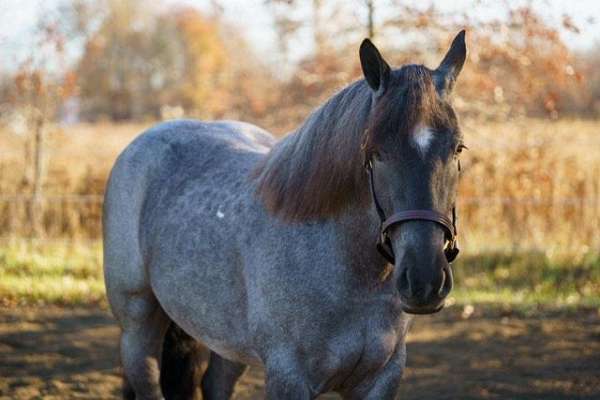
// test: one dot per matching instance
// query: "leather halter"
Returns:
(384, 244)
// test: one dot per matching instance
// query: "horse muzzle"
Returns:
(425, 298)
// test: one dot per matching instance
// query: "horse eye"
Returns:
(460, 148)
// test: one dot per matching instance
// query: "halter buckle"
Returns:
(451, 252)
(384, 246)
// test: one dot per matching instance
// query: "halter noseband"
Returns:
(384, 244)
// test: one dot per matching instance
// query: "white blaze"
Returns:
(422, 137)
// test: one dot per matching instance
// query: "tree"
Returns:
(518, 63)
(35, 95)
(140, 59)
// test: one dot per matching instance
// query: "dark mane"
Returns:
(317, 171)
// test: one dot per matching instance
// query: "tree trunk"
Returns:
(36, 210)
(370, 16)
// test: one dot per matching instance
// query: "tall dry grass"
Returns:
(77, 162)
(527, 184)
(532, 184)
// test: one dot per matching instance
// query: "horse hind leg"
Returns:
(183, 363)
(142, 320)
(127, 392)
(142, 334)
(220, 378)
(143, 325)
(182, 371)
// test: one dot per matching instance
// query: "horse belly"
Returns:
(209, 303)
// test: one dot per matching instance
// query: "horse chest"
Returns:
(377, 349)
(363, 351)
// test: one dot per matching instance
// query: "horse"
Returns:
(307, 255)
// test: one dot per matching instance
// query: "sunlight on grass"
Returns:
(70, 273)
(58, 273)
(529, 279)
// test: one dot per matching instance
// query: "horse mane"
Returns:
(318, 170)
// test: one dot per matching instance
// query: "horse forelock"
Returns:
(411, 101)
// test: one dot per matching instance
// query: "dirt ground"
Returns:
(65, 353)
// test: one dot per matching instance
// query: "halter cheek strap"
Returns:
(384, 244)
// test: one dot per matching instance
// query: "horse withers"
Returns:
(305, 255)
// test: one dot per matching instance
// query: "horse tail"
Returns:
(183, 363)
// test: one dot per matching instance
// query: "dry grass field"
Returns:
(527, 184)
(526, 303)
(529, 211)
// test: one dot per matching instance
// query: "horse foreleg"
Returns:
(386, 384)
(285, 379)
(220, 378)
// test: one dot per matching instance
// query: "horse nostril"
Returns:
(446, 285)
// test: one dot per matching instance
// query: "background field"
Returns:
(89, 75)
(529, 210)
(522, 321)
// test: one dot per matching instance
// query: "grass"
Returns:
(71, 274)
(529, 280)
(50, 273)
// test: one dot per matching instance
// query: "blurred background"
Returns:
(79, 79)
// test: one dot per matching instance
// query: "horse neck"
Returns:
(357, 229)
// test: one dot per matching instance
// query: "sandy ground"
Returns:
(65, 353)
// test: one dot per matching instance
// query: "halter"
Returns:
(384, 244)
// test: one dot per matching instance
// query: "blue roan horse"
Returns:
(265, 252)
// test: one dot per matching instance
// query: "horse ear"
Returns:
(374, 67)
(452, 64)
